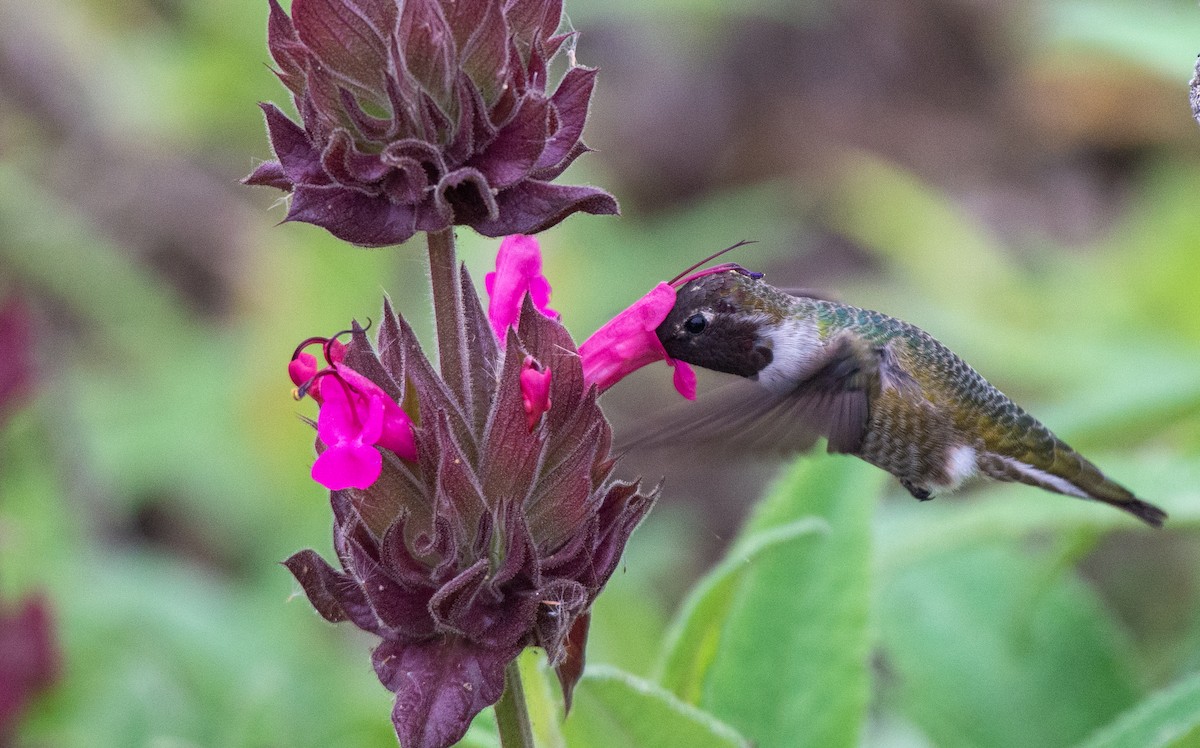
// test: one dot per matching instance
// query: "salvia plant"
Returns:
(474, 510)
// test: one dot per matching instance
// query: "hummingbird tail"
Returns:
(1072, 474)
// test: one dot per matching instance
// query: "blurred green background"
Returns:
(1020, 179)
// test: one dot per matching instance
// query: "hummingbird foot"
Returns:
(919, 493)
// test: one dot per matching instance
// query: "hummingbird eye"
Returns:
(695, 324)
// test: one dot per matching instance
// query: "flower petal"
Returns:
(349, 417)
(684, 378)
(395, 429)
(627, 342)
(347, 466)
(535, 390)
(518, 271)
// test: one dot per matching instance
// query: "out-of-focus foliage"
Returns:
(1018, 179)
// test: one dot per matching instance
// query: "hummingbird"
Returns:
(873, 386)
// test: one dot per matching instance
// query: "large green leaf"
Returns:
(775, 640)
(691, 645)
(986, 646)
(614, 709)
(1168, 718)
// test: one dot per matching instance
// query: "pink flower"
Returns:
(302, 369)
(356, 416)
(349, 428)
(535, 390)
(627, 342)
(396, 431)
(623, 345)
(518, 271)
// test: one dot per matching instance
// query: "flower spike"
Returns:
(497, 537)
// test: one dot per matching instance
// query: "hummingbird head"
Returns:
(718, 322)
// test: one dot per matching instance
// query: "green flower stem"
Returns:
(512, 715)
(448, 309)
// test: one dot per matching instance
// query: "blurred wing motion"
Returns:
(744, 417)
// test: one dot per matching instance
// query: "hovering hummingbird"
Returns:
(874, 386)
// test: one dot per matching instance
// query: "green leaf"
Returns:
(613, 708)
(1165, 719)
(691, 645)
(987, 646)
(775, 640)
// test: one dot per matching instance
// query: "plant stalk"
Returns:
(512, 714)
(448, 309)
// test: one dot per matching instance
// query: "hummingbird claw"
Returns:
(920, 494)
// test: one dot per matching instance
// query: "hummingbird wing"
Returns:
(743, 416)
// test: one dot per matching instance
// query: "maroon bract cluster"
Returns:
(422, 114)
(499, 535)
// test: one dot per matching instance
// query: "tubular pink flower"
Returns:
(627, 342)
(356, 416)
(535, 390)
(349, 424)
(518, 271)
(396, 431)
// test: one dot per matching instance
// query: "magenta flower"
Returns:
(355, 416)
(499, 536)
(518, 272)
(622, 346)
(419, 115)
(535, 390)
(628, 342)
(349, 429)
(302, 369)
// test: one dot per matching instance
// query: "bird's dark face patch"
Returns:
(711, 327)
